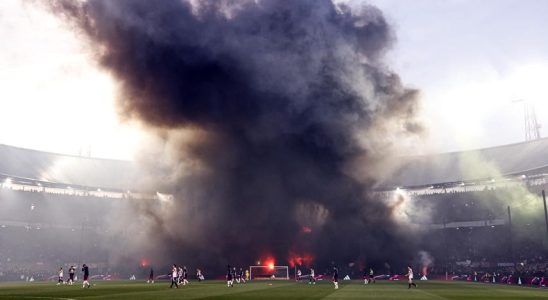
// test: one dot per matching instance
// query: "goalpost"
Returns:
(269, 272)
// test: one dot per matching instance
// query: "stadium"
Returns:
(270, 149)
(469, 236)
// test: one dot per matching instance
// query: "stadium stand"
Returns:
(468, 196)
(45, 167)
(45, 196)
(527, 158)
(465, 195)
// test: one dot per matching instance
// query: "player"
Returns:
(371, 275)
(185, 276)
(60, 280)
(72, 269)
(241, 275)
(151, 276)
(410, 277)
(299, 274)
(229, 278)
(312, 279)
(336, 277)
(179, 275)
(247, 274)
(365, 276)
(174, 277)
(85, 269)
(238, 275)
(199, 275)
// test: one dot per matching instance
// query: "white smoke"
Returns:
(426, 261)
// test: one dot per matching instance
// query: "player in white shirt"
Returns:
(180, 275)
(174, 277)
(60, 277)
(312, 279)
(199, 275)
(409, 275)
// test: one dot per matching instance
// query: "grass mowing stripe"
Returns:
(286, 291)
(217, 290)
(198, 291)
(51, 298)
(431, 295)
(379, 290)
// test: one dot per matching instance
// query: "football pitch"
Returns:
(269, 290)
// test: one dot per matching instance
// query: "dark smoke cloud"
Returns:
(273, 103)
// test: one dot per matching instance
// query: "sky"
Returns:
(470, 59)
(53, 97)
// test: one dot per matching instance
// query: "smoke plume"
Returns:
(426, 261)
(279, 116)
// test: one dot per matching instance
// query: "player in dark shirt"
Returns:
(229, 277)
(241, 275)
(85, 269)
(336, 277)
(151, 276)
(185, 276)
(237, 275)
(72, 269)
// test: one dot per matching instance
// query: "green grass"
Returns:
(122, 290)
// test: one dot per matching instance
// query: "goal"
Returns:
(269, 272)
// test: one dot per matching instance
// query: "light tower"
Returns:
(532, 126)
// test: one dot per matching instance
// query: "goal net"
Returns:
(269, 272)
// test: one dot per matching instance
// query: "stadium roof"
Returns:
(66, 169)
(526, 158)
